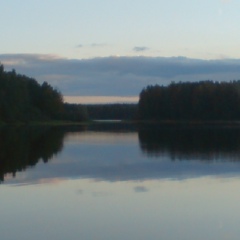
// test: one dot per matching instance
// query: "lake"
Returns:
(120, 181)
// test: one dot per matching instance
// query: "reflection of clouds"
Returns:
(140, 189)
(116, 157)
(100, 194)
(80, 191)
(101, 137)
(41, 180)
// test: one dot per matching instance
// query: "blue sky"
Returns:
(75, 30)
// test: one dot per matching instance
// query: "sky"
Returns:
(116, 48)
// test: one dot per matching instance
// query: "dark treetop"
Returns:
(204, 100)
(23, 99)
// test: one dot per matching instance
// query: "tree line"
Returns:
(115, 111)
(23, 99)
(204, 100)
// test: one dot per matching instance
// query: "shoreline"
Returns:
(152, 123)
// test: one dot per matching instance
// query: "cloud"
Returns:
(140, 49)
(117, 76)
(92, 45)
(140, 189)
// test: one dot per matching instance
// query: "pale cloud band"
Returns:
(118, 76)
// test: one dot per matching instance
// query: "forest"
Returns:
(115, 111)
(23, 99)
(204, 100)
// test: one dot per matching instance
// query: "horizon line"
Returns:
(100, 99)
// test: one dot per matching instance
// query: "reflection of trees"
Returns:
(203, 143)
(23, 147)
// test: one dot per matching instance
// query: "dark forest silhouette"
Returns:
(115, 111)
(206, 100)
(23, 99)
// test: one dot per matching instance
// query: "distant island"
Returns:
(204, 100)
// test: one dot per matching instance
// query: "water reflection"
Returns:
(117, 153)
(24, 147)
(191, 143)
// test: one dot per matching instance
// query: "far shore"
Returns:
(151, 123)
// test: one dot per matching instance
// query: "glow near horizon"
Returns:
(85, 29)
(100, 99)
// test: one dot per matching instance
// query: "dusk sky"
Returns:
(115, 48)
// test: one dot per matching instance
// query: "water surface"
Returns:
(120, 182)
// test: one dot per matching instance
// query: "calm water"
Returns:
(117, 182)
